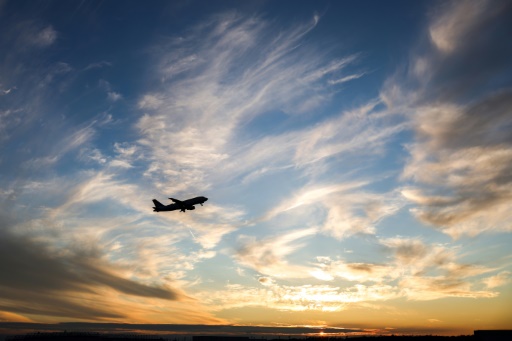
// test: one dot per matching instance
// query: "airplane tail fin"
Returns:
(158, 205)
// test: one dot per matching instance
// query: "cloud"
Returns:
(458, 20)
(114, 96)
(428, 272)
(472, 159)
(436, 287)
(312, 195)
(349, 209)
(92, 210)
(498, 280)
(45, 282)
(149, 101)
(415, 270)
(93, 155)
(346, 78)
(45, 37)
(423, 272)
(111, 259)
(358, 213)
(296, 298)
(317, 149)
(267, 256)
(32, 34)
(8, 119)
(4, 92)
(68, 143)
(11, 317)
(211, 327)
(216, 81)
(98, 65)
(461, 156)
(354, 272)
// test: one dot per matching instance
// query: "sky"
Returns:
(357, 158)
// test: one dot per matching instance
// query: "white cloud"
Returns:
(114, 96)
(94, 154)
(503, 278)
(312, 195)
(6, 91)
(464, 162)
(358, 213)
(296, 298)
(350, 209)
(346, 78)
(461, 155)
(356, 272)
(8, 119)
(68, 143)
(454, 24)
(268, 256)
(432, 271)
(45, 37)
(98, 65)
(436, 287)
(196, 123)
(149, 101)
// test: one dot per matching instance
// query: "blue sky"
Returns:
(356, 156)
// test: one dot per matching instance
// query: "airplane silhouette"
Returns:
(178, 204)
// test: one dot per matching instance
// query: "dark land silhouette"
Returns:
(479, 335)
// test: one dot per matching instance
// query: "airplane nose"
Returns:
(205, 199)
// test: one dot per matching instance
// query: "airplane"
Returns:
(179, 205)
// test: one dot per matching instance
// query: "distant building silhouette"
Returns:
(492, 335)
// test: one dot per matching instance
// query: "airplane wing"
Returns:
(176, 201)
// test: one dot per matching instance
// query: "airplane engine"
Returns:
(191, 208)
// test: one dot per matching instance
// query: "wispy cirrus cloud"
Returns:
(346, 78)
(268, 256)
(350, 209)
(68, 143)
(234, 73)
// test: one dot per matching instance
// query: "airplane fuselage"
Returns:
(179, 205)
